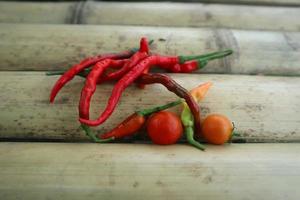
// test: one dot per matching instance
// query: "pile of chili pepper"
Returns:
(133, 66)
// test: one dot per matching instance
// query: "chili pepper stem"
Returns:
(215, 55)
(54, 73)
(233, 133)
(159, 108)
(189, 135)
(137, 49)
(91, 135)
(82, 74)
(203, 59)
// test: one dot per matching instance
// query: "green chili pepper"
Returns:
(187, 120)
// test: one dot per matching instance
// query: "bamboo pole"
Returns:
(247, 2)
(37, 12)
(192, 15)
(153, 14)
(264, 109)
(52, 47)
(121, 171)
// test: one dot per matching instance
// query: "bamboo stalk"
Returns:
(264, 109)
(247, 2)
(57, 47)
(192, 15)
(153, 14)
(37, 12)
(121, 171)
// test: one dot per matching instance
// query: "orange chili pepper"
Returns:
(135, 121)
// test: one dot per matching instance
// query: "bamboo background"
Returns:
(257, 87)
(249, 101)
(235, 16)
(53, 47)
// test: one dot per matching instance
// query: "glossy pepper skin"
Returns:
(84, 64)
(136, 72)
(198, 62)
(91, 83)
(174, 87)
(183, 64)
(138, 56)
(187, 118)
(134, 122)
(93, 77)
(162, 61)
(74, 70)
(176, 64)
(126, 128)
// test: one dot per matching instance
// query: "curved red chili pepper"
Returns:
(126, 128)
(174, 87)
(74, 70)
(188, 64)
(93, 77)
(141, 54)
(140, 85)
(125, 81)
(120, 86)
(135, 122)
(137, 71)
(91, 82)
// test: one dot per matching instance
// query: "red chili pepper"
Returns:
(189, 64)
(174, 87)
(139, 55)
(91, 83)
(127, 79)
(74, 70)
(199, 62)
(129, 126)
(140, 85)
(93, 77)
(134, 122)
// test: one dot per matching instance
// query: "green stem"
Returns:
(216, 55)
(54, 73)
(159, 108)
(206, 57)
(189, 131)
(91, 135)
(233, 133)
(82, 74)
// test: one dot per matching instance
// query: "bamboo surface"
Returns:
(52, 47)
(131, 171)
(153, 14)
(37, 12)
(192, 15)
(248, 2)
(264, 109)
